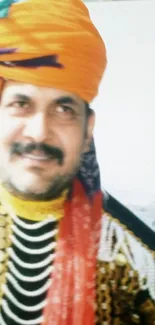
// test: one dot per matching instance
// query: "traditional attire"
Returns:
(82, 259)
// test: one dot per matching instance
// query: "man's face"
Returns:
(43, 132)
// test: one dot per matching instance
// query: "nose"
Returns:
(37, 127)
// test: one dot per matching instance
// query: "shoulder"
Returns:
(125, 267)
(129, 221)
(126, 239)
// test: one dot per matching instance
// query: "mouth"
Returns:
(38, 157)
(37, 160)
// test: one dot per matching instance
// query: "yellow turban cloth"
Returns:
(52, 43)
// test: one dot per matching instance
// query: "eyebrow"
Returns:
(21, 97)
(59, 101)
(66, 100)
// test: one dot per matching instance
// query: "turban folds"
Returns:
(52, 43)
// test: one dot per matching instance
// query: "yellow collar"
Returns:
(32, 210)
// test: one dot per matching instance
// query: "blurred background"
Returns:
(125, 106)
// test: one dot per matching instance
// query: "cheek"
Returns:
(73, 142)
(9, 130)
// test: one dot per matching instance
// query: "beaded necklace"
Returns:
(10, 207)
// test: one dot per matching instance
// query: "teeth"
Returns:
(36, 157)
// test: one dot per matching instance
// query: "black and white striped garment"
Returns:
(28, 276)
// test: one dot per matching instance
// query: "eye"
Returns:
(20, 104)
(19, 108)
(65, 111)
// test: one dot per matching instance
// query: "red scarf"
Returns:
(71, 297)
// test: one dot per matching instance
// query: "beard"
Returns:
(35, 184)
(53, 190)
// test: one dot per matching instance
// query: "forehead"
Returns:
(12, 88)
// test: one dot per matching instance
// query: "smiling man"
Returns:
(40, 126)
(69, 254)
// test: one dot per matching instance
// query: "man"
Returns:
(69, 254)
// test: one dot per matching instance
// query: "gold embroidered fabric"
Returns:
(5, 231)
(118, 296)
(147, 311)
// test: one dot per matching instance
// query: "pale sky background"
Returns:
(125, 106)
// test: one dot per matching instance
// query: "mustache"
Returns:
(50, 152)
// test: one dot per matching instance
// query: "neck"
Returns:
(32, 209)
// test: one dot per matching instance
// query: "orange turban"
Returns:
(52, 43)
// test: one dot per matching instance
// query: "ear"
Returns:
(89, 132)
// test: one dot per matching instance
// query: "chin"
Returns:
(26, 184)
